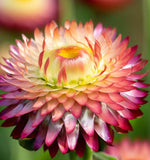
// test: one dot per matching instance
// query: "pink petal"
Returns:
(6, 113)
(62, 99)
(116, 97)
(124, 83)
(140, 84)
(112, 89)
(92, 141)
(130, 114)
(7, 102)
(103, 97)
(14, 52)
(68, 104)
(10, 122)
(80, 148)
(69, 122)
(93, 95)
(53, 149)
(55, 94)
(86, 120)
(21, 95)
(103, 130)
(38, 36)
(92, 87)
(39, 140)
(16, 133)
(98, 30)
(62, 75)
(48, 97)
(71, 94)
(94, 106)
(107, 115)
(38, 119)
(53, 130)
(7, 69)
(103, 84)
(123, 123)
(7, 87)
(26, 109)
(135, 58)
(139, 66)
(19, 83)
(128, 104)
(28, 129)
(62, 142)
(136, 100)
(136, 93)
(76, 110)
(39, 103)
(81, 98)
(120, 130)
(137, 76)
(41, 59)
(49, 107)
(58, 112)
(72, 138)
(97, 52)
(115, 106)
(115, 79)
(46, 65)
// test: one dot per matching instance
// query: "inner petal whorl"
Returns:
(66, 65)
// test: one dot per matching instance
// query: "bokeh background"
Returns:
(131, 19)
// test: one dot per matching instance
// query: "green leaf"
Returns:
(103, 156)
(27, 144)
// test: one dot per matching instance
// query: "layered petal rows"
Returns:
(67, 88)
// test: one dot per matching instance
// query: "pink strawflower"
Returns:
(128, 150)
(68, 87)
(108, 5)
(27, 14)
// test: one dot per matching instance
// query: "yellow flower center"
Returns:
(69, 52)
(66, 66)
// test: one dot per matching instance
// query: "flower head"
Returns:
(27, 14)
(68, 87)
(108, 5)
(128, 150)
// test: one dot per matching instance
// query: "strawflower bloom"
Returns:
(27, 14)
(67, 88)
(128, 150)
(108, 5)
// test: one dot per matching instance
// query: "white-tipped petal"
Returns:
(53, 130)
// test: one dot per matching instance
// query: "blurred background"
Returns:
(130, 17)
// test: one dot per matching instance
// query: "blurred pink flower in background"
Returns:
(108, 5)
(65, 89)
(27, 14)
(128, 150)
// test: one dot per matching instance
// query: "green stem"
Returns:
(72, 155)
(88, 155)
